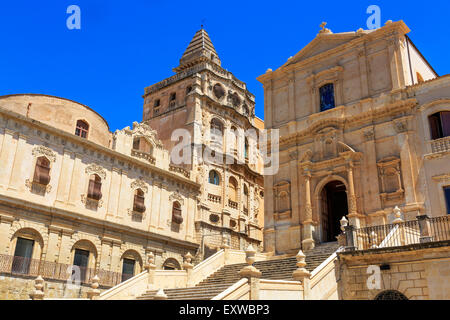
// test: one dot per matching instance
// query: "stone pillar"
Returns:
(38, 292)
(302, 275)
(425, 230)
(62, 194)
(308, 241)
(16, 180)
(5, 226)
(94, 292)
(352, 204)
(188, 266)
(251, 273)
(399, 222)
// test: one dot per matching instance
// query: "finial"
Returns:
(322, 25)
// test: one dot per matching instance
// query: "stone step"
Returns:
(275, 269)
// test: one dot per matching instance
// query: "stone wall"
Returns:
(419, 274)
(19, 288)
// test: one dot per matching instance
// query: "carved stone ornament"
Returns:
(170, 223)
(96, 169)
(44, 151)
(146, 131)
(91, 202)
(176, 197)
(139, 184)
(37, 187)
(131, 213)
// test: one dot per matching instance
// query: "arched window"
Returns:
(216, 133)
(439, 125)
(327, 97)
(176, 213)
(246, 149)
(95, 187)
(233, 189)
(139, 200)
(131, 264)
(214, 177)
(391, 295)
(82, 129)
(42, 171)
(84, 257)
(171, 264)
(246, 198)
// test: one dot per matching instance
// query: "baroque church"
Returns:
(358, 209)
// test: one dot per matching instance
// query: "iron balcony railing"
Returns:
(15, 265)
(422, 230)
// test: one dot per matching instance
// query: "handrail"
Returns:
(230, 290)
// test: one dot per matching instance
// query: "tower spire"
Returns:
(200, 49)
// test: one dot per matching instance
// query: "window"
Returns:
(214, 178)
(216, 132)
(82, 129)
(188, 89)
(439, 125)
(176, 213)
(81, 260)
(391, 295)
(233, 189)
(173, 96)
(42, 171)
(447, 198)
(128, 269)
(245, 199)
(139, 199)
(95, 187)
(22, 256)
(327, 97)
(157, 103)
(246, 146)
(136, 143)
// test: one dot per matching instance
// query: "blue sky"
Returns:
(124, 46)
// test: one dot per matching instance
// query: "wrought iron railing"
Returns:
(422, 230)
(21, 266)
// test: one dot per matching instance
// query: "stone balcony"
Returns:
(440, 145)
(143, 155)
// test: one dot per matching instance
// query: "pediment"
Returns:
(323, 43)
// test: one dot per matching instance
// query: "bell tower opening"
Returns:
(333, 206)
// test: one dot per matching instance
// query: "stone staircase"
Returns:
(274, 269)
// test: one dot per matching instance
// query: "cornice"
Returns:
(99, 148)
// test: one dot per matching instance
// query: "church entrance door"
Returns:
(333, 206)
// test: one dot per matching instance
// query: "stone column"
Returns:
(5, 226)
(352, 205)
(308, 241)
(16, 179)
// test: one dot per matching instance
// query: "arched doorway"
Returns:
(333, 207)
(391, 295)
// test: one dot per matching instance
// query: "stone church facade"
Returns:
(74, 193)
(364, 127)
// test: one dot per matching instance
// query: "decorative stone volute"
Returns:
(301, 273)
(160, 295)
(38, 292)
